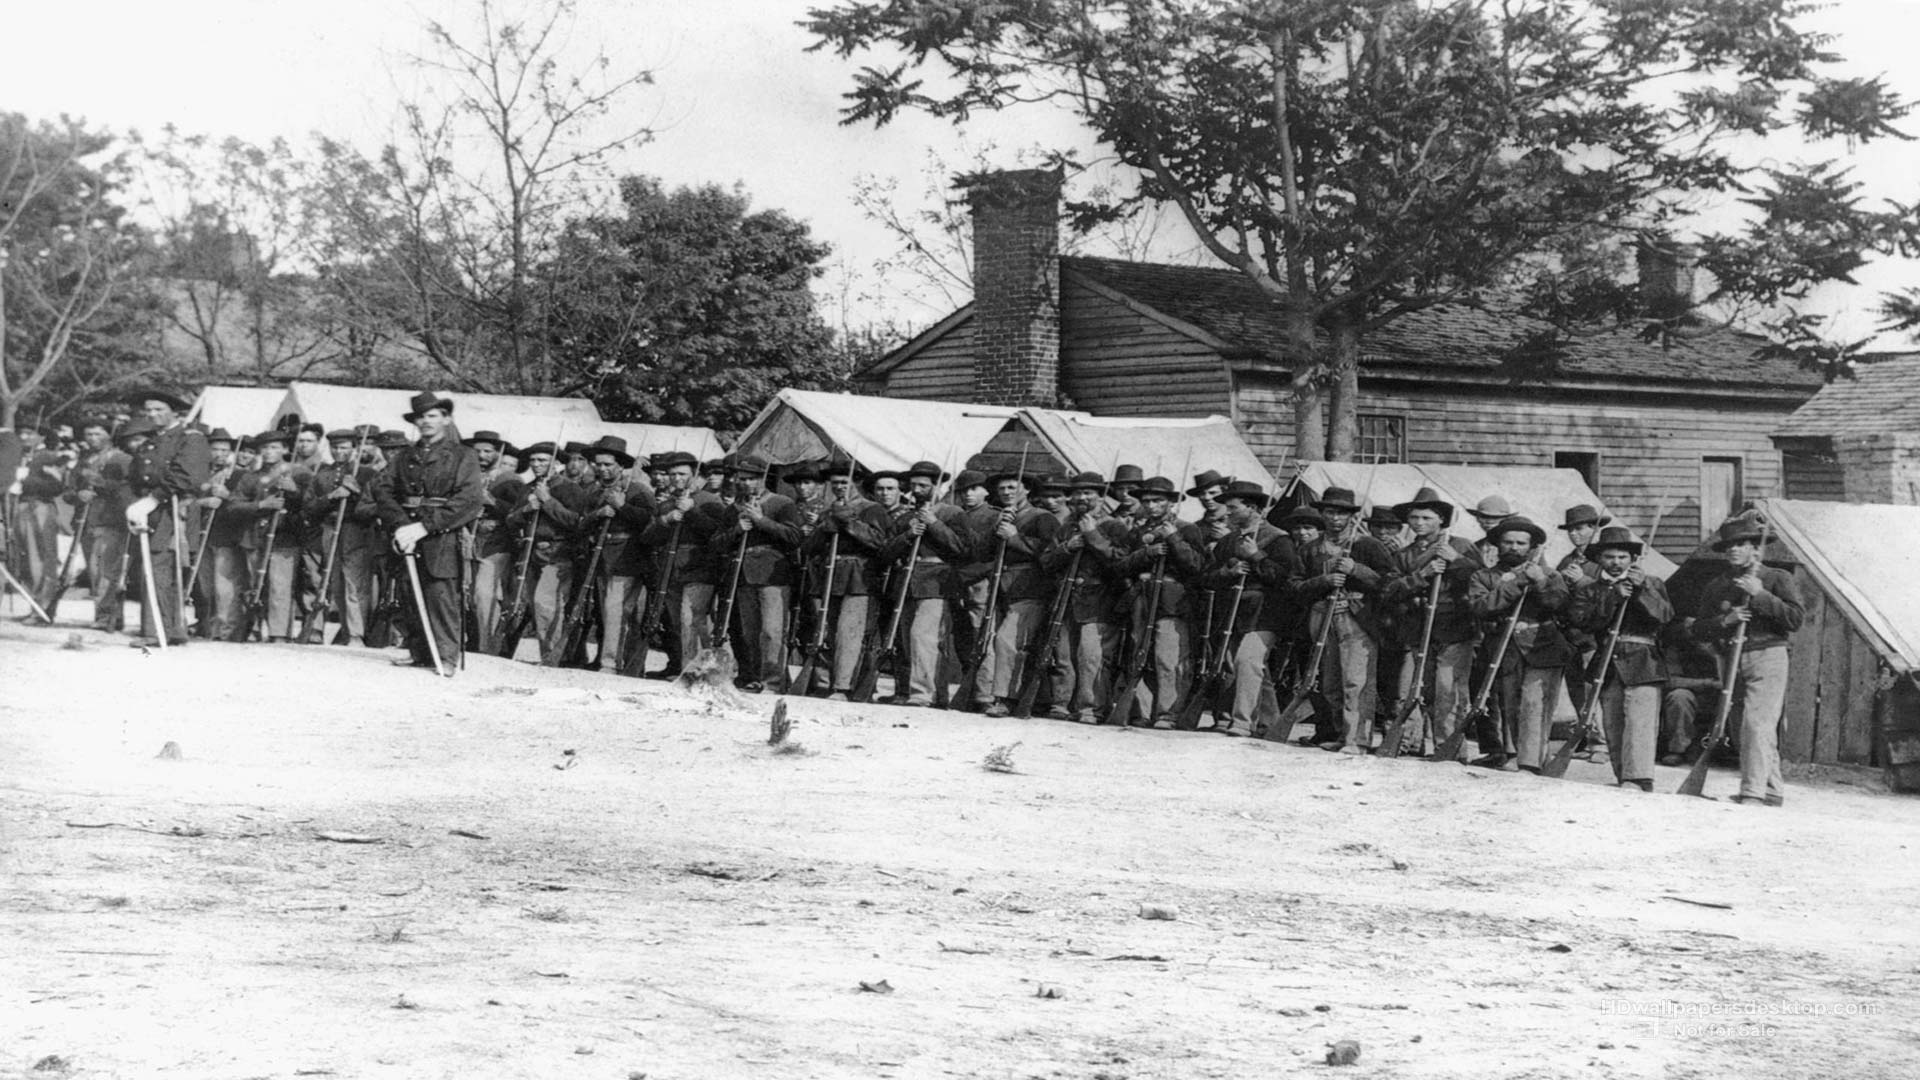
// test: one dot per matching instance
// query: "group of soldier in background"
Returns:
(1083, 598)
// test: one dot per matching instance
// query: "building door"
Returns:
(1722, 493)
(1585, 463)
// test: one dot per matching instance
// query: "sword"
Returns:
(153, 593)
(412, 559)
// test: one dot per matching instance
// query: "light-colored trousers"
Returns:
(1449, 690)
(763, 619)
(1172, 666)
(926, 632)
(620, 596)
(1631, 716)
(1763, 694)
(226, 576)
(693, 609)
(1089, 648)
(1249, 676)
(492, 574)
(1349, 665)
(107, 568)
(1011, 638)
(1526, 712)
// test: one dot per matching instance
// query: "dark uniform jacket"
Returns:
(864, 527)
(45, 479)
(491, 535)
(250, 490)
(173, 464)
(1537, 639)
(438, 485)
(625, 553)
(1263, 602)
(945, 546)
(1100, 593)
(1021, 578)
(559, 516)
(1408, 590)
(106, 474)
(768, 559)
(1636, 656)
(1372, 569)
(229, 524)
(1777, 611)
(1186, 559)
(691, 546)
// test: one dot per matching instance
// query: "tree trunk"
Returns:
(9, 410)
(1309, 428)
(1343, 380)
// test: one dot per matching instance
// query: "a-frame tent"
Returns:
(519, 420)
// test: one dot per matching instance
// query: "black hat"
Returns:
(1126, 476)
(1046, 485)
(337, 435)
(572, 450)
(1734, 530)
(1384, 515)
(394, 440)
(488, 437)
(801, 470)
(1516, 523)
(1427, 499)
(1245, 490)
(137, 427)
(369, 432)
(1336, 498)
(424, 400)
(314, 429)
(104, 423)
(276, 435)
(1305, 516)
(749, 467)
(1207, 479)
(159, 393)
(1158, 485)
(218, 434)
(614, 445)
(1615, 538)
(675, 458)
(538, 448)
(1086, 481)
(1584, 515)
(969, 478)
(927, 469)
(714, 465)
(837, 466)
(867, 481)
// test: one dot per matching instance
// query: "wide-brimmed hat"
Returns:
(751, 468)
(218, 434)
(614, 445)
(1584, 515)
(969, 478)
(334, 436)
(1126, 476)
(1086, 481)
(1305, 516)
(489, 437)
(1157, 485)
(1336, 498)
(1207, 479)
(145, 394)
(134, 428)
(1516, 523)
(1047, 485)
(1615, 538)
(276, 435)
(1245, 490)
(1385, 515)
(927, 469)
(714, 465)
(996, 479)
(424, 400)
(571, 450)
(1734, 530)
(1493, 506)
(538, 448)
(1426, 499)
(673, 459)
(838, 466)
(867, 481)
(394, 440)
(801, 470)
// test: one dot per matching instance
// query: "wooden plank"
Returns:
(1857, 730)
(1836, 682)
(1803, 675)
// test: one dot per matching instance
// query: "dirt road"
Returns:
(354, 870)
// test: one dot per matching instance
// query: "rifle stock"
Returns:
(66, 564)
(1450, 749)
(1207, 689)
(1556, 766)
(1119, 713)
(519, 610)
(1416, 694)
(573, 627)
(255, 607)
(1040, 651)
(816, 651)
(989, 626)
(1696, 781)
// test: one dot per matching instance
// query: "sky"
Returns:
(737, 98)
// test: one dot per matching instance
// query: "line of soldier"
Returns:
(1080, 598)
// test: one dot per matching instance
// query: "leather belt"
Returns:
(1636, 639)
(415, 502)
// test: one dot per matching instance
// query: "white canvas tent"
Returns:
(519, 420)
(1854, 553)
(644, 439)
(242, 410)
(1173, 448)
(1541, 494)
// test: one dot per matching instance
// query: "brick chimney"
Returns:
(1666, 270)
(1016, 287)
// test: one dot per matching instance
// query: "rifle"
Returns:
(518, 612)
(1416, 694)
(1556, 766)
(889, 654)
(179, 560)
(989, 622)
(200, 549)
(1302, 702)
(1207, 689)
(817, 650)
(1041, 648)
(316, 624)
(573, 629)
(1696, 781)
(654, 614)
(723, 611)
(1450, 749)
(66, 564)
(255, 606)
(390, 612)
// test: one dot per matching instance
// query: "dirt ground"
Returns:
(574, 875)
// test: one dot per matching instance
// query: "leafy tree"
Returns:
(1360, 160)
(74, 318)
(687, 307)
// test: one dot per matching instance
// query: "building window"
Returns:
(1586, 464)
(1722, 492)
(1383, 439)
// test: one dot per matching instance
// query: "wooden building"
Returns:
(1674, 439)
(1858, 439)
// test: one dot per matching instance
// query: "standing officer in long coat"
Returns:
(170, 468)
(426, 496)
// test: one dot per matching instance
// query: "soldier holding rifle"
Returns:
(1250, 571)
(1084, 555)
(1342, 574)
(1765, 602)
(1631, 683)
(426, 495)
(770, 526)
(852, 531)
(1429, 555)
(99, 492)
(1023, 531)
(549, 508)
(1161, 548)
(687, 520)
(493, 542)
(1531, 597)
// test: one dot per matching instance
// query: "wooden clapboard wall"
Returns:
(1836, 703)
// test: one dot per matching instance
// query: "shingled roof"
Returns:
(1884, 396)
(1224, 304)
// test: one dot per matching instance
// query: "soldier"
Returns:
(169, 469)
(1342, 575)
(36, 515)
(1385, 526)
(713, 475)
(1579, 567)
(628, 508)
(428, 494)
(1386, 529)
(931, 567)
(493, 548)
(863, 528)
(978, 518)
(773, 528)
(578, 467)
(1121, 497)
(1091, 627)
(275, 499)
(1766, 601)
(1023, 531)
(1158, 535)
(1630, 700)
(360, 540)
(222, 577)
(699, 516)
(99, 491)
(1249, 570)
(1528, 681)
(1429, 554)
(559, 504)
